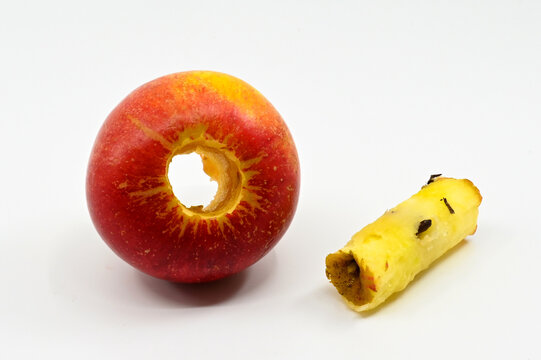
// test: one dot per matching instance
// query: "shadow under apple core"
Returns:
(395, 296)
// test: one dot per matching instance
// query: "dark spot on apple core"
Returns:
(423, 226)
(451, 210)
(432, 177)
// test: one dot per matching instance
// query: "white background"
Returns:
(377, 94)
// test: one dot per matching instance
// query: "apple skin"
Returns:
(131, 201)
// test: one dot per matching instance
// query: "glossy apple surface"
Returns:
(245, 146)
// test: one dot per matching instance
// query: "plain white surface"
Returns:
(378, 96)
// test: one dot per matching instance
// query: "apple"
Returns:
(245, 146)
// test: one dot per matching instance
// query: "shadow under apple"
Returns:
(193, 295)
(236, 287)
(84, 270)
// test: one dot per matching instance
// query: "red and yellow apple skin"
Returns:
(245, 146)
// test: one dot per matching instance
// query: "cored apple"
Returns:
(245, 146)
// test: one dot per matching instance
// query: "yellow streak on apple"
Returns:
(221, 85)
(220, 163)
(151, 133)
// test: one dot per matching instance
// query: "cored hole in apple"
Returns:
(190, 184)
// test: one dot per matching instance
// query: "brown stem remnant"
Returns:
(351, 280)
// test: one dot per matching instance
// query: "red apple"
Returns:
(245, 146)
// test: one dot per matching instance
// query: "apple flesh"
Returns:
(245, 146)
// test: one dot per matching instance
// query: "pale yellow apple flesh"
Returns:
(386, 255)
